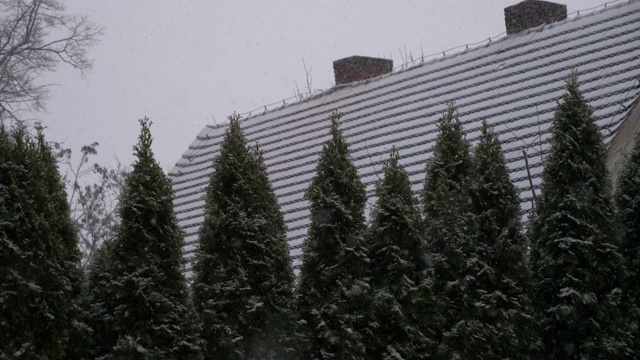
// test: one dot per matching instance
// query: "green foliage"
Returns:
(39, 259)
(503, 305)
(446, 201)
(334, 300)
(243, 285)
(627, 199)
(401, 287)
(146, 296)
(103, 299)
(576, 265)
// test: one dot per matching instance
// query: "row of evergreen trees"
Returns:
(448, 275)
(452, 275)
(135, 304)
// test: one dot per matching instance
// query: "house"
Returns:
(513, 83)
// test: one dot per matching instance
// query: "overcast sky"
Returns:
(185, 64)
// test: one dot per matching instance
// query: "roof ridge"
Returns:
(430, 59)
(430, 79)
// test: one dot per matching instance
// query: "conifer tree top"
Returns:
(449, 167)
(394, 186)
(493, 188)
(451, 149)
(142, 150)
(336, 133)
(336, 173)
(577, 153)
(392, 166)
(234, 129)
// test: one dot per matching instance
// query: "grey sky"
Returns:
(185, 63)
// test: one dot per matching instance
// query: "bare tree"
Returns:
(36, 35)
(94, 191)
(309, 79)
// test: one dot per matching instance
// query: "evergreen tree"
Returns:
(401, 287)
(333, 293)
(628, 202)
(148, 308)
(446, 200)
(503, 304)
(576, 265)
(102, 298)
(62, 224)
(39, 257)
(243, 286)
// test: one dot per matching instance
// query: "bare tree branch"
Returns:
(35, 36)
(93, 195)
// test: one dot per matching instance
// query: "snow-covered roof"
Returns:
(513, 84)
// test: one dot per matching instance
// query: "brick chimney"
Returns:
(358, 68)
(532, 13)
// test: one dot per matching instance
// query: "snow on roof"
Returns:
(513, 83)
